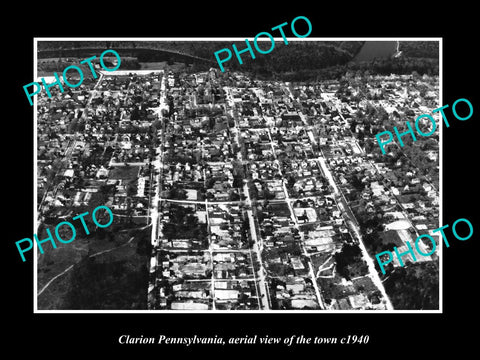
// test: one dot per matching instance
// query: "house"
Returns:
(102, 173)
(296, 288)
(69, 173)
(427, 187)
(297, 264)
(176, 305)
(226, 294)
(303, 303)
(359, 301)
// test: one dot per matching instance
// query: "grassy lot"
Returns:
(113, 280)
(53, 298)
(319, 259)
(280, 209)
(54, 261)
(124, 172)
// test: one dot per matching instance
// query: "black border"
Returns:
(389, 333)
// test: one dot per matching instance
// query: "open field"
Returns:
(121, 261)
(124, 172)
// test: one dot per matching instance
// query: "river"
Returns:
(376, 49)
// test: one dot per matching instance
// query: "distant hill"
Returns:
(297, 61)
(420, 49)
(296, 56)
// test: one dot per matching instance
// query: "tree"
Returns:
(107, 190)
(347, 257)
(131, 188)
(177, 193)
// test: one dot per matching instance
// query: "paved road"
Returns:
(261, 284)
(294, 219)
(355, 228)
(68, 151)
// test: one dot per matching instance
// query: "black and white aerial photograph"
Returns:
(194, 180)
(258, 186)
